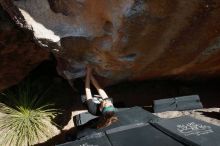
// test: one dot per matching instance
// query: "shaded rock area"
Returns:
(126, 39)
(19, 54)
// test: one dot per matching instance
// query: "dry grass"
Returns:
(25, 122)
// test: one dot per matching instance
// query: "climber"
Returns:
(100, 105)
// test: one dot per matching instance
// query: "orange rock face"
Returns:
(152, 39)
(129, 39)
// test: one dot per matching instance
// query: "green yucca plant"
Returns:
(24, 121)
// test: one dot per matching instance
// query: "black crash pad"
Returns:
(145, 135)
(99, 139)
(83, 118)
(178, 103)
(190, 131)
(125, 115)
(139, 134)
(141, 128)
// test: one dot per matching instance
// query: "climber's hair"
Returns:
(107, 119)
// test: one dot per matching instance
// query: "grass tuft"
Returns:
(25, 121)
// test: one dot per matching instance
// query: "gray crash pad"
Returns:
(125, 115)
(190, 131)
(140, 128)
(145, 135)
(139, 134)
(99, 139)
(178, 103)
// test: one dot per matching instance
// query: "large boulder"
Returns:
(127, 39)
(19, 54)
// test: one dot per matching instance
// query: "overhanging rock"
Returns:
(128, 39)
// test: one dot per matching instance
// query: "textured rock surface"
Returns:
(128, 39)
(18, 52)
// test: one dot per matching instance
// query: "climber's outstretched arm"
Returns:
(87, 83)
(102, 93)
